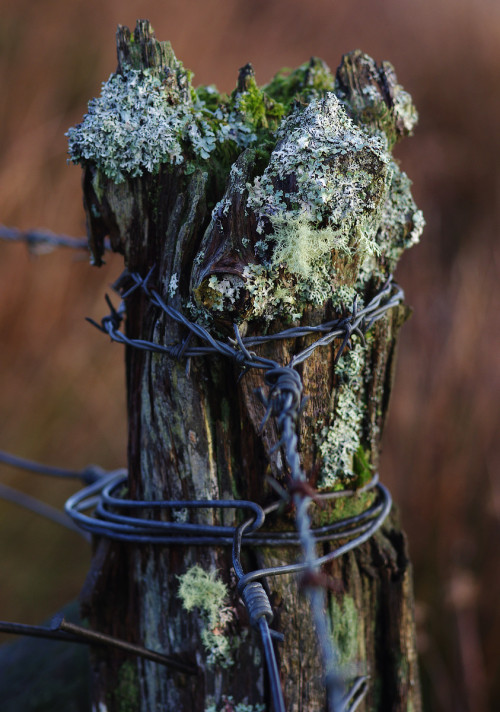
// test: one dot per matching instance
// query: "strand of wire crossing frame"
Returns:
(356, 323)
(102, 488)
(45, 241)
(284, 404)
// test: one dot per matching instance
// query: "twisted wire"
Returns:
(358, 322)
(100, 496)
(285, 401)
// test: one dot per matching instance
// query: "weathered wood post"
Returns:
(269, 207)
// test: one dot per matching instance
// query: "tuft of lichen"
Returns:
(339, 441)
(332, 209)
(203, 590)
(148, 117)
(138, 124)
(231, 706)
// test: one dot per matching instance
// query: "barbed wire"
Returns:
(357, 322)
(284, 403)
(60, 629)
(45, 241)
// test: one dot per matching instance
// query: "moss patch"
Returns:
(345, 630)
(311, 80)
(127, 690)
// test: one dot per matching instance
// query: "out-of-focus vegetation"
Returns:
(61, 382)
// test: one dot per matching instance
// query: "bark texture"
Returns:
(196, 435)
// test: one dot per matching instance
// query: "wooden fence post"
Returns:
(253, 218)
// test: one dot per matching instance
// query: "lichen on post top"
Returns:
(327, 211)
(310, 207)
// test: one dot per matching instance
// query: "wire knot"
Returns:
(257, 603)
(285, 394)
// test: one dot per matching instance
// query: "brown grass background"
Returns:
(61, 382)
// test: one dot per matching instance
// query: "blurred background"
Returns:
(61, 382)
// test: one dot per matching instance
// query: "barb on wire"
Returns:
(357, 323)
(42, 241)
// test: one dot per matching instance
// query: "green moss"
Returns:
(208, 96)
(310, 80)
(362, 467)
(127, 692)
(259, 109)
(345, 630)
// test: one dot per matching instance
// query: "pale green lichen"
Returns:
(203, 590)
(137, 124)
(339, 441)
(143, 120)
(173, 285)
(133, 127)
(402, 223)
(332, 210)
(341, 174)
(225, 290)
(332, 207)
(373, 97)
(231, 706)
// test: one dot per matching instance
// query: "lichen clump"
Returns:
(340, 440)
(203, 590)
(231, 706)
(332, 208)
(138, 124)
